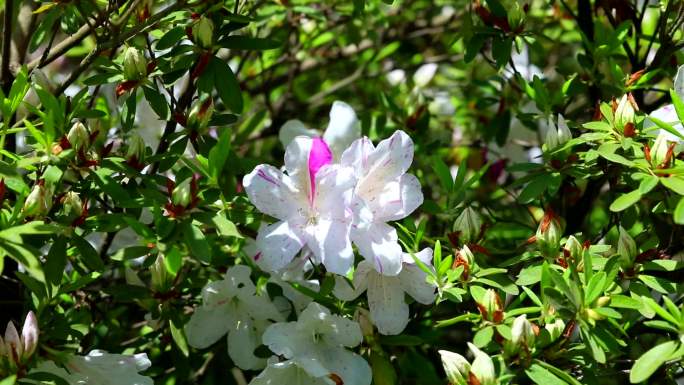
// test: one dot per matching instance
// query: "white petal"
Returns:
(356, 156)
(207, 325)
(334, 188)
(389, 312)
(271, 191)
(424, 256)
(261, 308)
(336, 330)
(29, 334)
(343, 129)
(297, 163)
(287, 339)
(278, 243)
(292, 129)
(243, 339)
(389, 161)
(289, 373)
(238, 282)
(12, 339)
(379, 244)
(413, 282)
(343, 289)
(329, 240)
(350, 367)
(406, 197)
(679, 82)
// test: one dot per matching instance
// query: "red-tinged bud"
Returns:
(203, 32)
(549, 234)
(633, 78)
(491, 307)
(630, 130)
(126, 86)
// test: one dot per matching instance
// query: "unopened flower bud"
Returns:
(38, 202)
(160, 276)
(457, 368)
(73, 206)
(624, 113)
(564, 134)
(549, 235)
(134, 64)
(594, 315)
(182, 193)
(482, 367)
(626, 248)
(602, 301)
(13, 345)
(555, 329)
(200, 114)
(136, 149)
(574, 248)
(203, 32)
(516, 16)
(29, 335)
(491, 307)
(78, 136)
(468, 225)
(364, 319)
(659, 151)
(522, 332)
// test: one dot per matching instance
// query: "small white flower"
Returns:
(20, 347)
(232, 306)
(311, 203)
(288, 372)
(396, 77)
(388, 309)
(455, 366)
(317, 343)
(101, 368)
(424, 74)
(384, 192)
(344, 127)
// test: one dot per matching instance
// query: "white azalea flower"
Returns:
(343, 129)
(288, 372)
(667, 113)
(310, 202)
(317, 343)
(232, 306)
(396, 77)
(101, 368)
(384, 192)
(388, 309)
(424, 74)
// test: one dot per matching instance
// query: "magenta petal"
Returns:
(319, 156)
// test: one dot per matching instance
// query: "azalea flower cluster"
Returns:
(336, 190)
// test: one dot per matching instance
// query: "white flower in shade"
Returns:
(101, 368)
(288, 372)
(311, 203)
(668, 114)
(232, 306)
(557, 135)
(396, 77)
(388, 309)
(317, 343)
(460, 372)
(384, 192)
(15, 347)
(344, 127)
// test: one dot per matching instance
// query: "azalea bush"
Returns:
(355, 192)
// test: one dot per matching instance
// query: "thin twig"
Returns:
(5, 73)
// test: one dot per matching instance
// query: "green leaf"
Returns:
(677, 103)
(173, 261)
(607, 151)
(56, 261)
(219, 154)
(443, 173)
(179, 338)
(87, 253)
(9, 380)
(197, 243)
(170, 38)
(648, 183)
(542, 376)
(678, 214)
(625, 200)
(650, 361)
(157, 102)
(674, 183)
(534, 189)
(227, 85)
(225, 227)
(383, 371)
